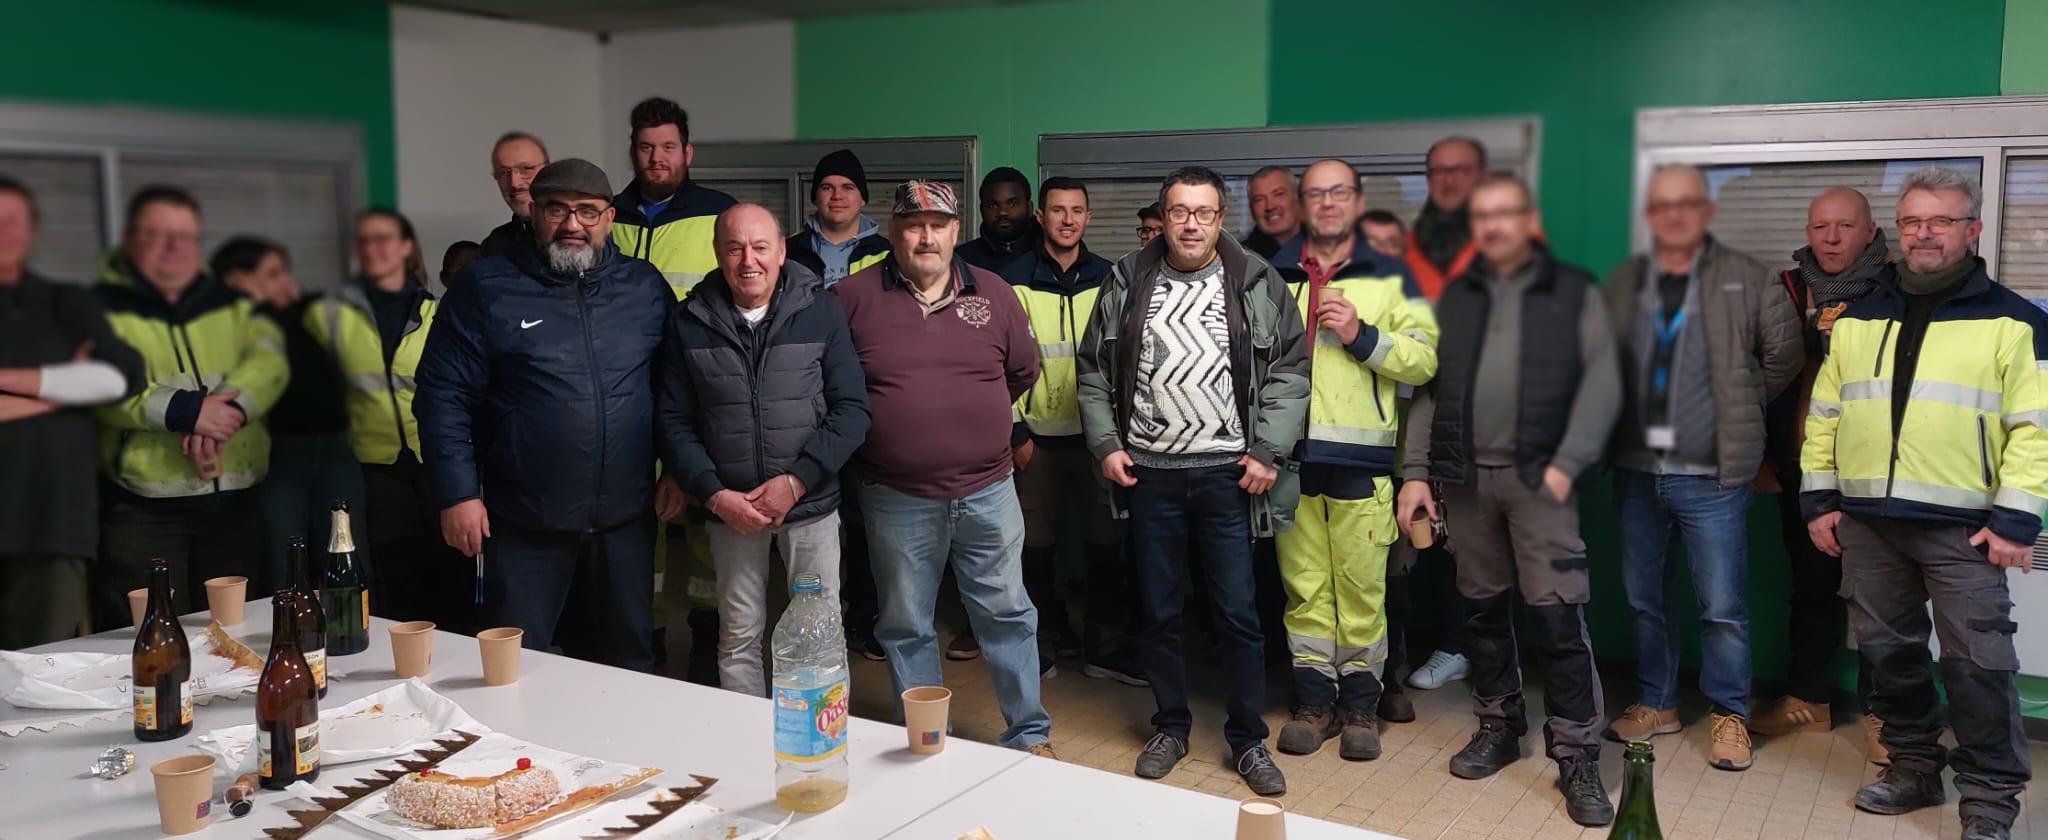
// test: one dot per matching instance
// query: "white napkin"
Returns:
(95, 681)
(394, 722)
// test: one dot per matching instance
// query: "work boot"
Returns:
(1730, 749)
(1310, 727)
(1256, 767)
(1873, 746)
(1491, 748)
(1900, 791)
(964, 647)
(1789, 716)
(1161, 753)
(1043, 749)
(1638, 722)
(1585, 796)
(1984, 828)
(1361, 736)
(1394, 706)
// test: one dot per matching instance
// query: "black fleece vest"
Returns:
(1549, 369)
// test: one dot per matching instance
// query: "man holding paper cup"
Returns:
(1372, 331)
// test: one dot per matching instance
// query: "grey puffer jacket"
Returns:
(739, 406)
(1754, 351)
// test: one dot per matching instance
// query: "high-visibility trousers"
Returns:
(1333, 563)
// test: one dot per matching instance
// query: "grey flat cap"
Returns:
(571, 175)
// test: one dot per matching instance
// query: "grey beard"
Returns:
(571, 257)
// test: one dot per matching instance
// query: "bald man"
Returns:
(761, 402)
(1707, 339)
(1845, 254)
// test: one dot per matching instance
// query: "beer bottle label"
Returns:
(305, 746)
(317, 660)
(185, 702)
(145, 707)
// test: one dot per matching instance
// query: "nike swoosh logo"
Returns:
(527, 325)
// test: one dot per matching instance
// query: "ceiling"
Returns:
(627, 15)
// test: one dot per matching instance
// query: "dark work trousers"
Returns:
(419, 578)
(1399, 615)
(1178, 515)
(1891, 570)
(42, 599)
(592, 593)
(201, 539)
(1516, 538)
(1819, 616)
(856, 571)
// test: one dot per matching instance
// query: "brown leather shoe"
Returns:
(1043, 749)
(1309, 728)
(1873, 748)
(1638, 722)
(1730, 749)
(1791, 715)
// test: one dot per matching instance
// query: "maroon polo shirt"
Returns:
(940, 386)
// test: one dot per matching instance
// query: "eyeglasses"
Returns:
(1934, 224)
(585, 213)
(1658, 208)
(1202, 215)
(524, 170)
(1499, 215)
(1343, 193)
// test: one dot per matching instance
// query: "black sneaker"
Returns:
(964, 647)
(1063, 640)
(1309, 728)
(1120, 666)
(1490, 749)
(1360, 740)
(1395, 707)
(866, 645)
(1585, 796)
(1900, 791)
(1161, 753)
(1260, 774)
(1984, 828)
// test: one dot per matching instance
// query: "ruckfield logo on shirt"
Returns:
(973, 310)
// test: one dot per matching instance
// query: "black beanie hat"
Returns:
(842, 163)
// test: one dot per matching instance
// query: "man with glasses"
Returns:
(182, 459)
(1440, 245)
(1193, 385)
(1373, 332)
(1276, 210)
(535, 384)
(1150, 224)
(515, 159)
(1925, 469)
(1529, 333)
(1709, 339)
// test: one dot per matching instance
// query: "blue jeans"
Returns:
(1712, 519)
(1176, 517)
(911, 539)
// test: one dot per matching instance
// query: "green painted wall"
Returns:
(1009, 73)
(329, 60)
(2026, 64)
(1585, 74)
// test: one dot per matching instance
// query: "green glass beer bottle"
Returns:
(1637, 819)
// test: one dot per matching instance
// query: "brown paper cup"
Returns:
(924, 718)
(1329, 294)
(1421, 532)
(412, 648)
(138, 602)
(225, 597)
(500, 647)
(1261, 819)
(184, 792)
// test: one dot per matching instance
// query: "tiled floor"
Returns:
(1800, 787)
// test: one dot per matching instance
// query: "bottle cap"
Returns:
(807, 582)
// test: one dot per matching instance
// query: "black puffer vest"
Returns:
(1549, 372)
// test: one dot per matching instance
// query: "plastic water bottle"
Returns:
(811, 701)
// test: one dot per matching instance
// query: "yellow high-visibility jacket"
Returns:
(380, 418)
(1972, 446)
(1058, 308)
(678, 240)
(1353, 417)
(212, 339)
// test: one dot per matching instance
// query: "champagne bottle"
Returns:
(287, 706)
(1637, 819)
(162, 665)
(344, 594)
(309, 620)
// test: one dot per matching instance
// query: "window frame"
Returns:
(885, 160)
(110, 135)
(1993, 129)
